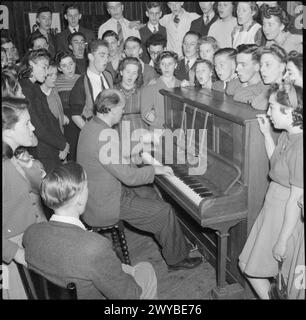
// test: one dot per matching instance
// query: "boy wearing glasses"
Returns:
(72, 15)
(77, 44)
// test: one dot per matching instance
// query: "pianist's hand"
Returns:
(163, 170)
(264, 123)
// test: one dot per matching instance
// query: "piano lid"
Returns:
(214, 102)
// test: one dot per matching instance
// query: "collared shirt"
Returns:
(95, 81)
(72, 29)
(176, 32)
(67, 219)
(210, 16)
(191, 61)
(111, 24)
(151, 27)
(151, 63)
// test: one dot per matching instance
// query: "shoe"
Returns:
(187, 263)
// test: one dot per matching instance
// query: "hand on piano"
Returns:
(163, 170)
(264, 123)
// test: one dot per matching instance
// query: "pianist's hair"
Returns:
(106, 100)
(11, 110)
(277, 11)
(163, 55)
(25, 70)
(289, 96)
(122, 65)
(62, 184)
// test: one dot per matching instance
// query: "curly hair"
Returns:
(26, 69)
(297, 59)
(276, 51)
(289, 96)
(9, 83)
(164, 55)
(200, 61)
(62, 55)
(123, 63)
(277, 11)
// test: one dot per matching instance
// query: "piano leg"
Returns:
(224, 290)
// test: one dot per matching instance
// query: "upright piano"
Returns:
(218, 203)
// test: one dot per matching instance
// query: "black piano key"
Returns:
(200, 189)
(205, 194)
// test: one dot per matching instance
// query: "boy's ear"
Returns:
(140, 51)
(147, 14)
(70, 47)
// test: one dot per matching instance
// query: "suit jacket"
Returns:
(64, 252)
(21, 208)
(50, 137)
(105, 179)
(199, 26)
(62, 38)
(181, 72)
(145, 34)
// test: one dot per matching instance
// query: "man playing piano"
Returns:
(118, 191)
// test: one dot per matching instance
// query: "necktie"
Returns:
(205, 19)
(102, 83)
(74, 30)
(187, 66)
(176, 19)
(154, 30)
(119, 32)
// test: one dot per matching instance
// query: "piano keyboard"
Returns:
(192, 189)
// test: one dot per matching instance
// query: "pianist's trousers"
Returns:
(143, 209)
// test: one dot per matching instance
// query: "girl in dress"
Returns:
(64, 83)
(272, 69)
(21, 176)
(248, 30)
(274, 234)
(129, 81)
(152, 102)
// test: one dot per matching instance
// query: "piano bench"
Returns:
(118, 238)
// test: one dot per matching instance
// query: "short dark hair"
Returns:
(291, 97)
(164, 55)
(132, 39)
(72, 35)
(155, 40)
(277, 11)
(62, 184)
(43, 9)
(150, 5)
(276, 51)
(73, 5)
(60, 55)
(229, 52)
(110, 33)
(95, 44)
(252, 49)
(106, 100)
(297, 59)
(192, 33)
(33, 37)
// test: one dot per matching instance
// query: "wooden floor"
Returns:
(184, 284)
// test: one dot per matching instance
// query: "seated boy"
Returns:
(132, 48)
(249, 83)
(63, 251)
(225, 67)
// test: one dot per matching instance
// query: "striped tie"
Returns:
(120, 34)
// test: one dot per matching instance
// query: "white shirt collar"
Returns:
(72, 29)
(122, 20)
(191, 61)
(151, 63)
(151, 27)
(67, 219)
(180, 14)
(93, 75)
